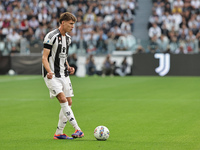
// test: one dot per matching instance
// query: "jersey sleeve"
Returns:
(48, 42)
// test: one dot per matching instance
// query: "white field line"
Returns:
(18, 79)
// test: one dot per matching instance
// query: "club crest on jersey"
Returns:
(63, 53)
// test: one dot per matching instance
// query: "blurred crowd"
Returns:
(102, 26)
(174, 27)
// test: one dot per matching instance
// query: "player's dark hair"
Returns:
(67, 17)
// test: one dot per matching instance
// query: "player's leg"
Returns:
(69, 100)
(77, 133)
(68, 91)
(62, 119)
(67, 111)
(55, 87)
(61, 123)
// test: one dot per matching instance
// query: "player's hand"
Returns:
(71, 70)
(50, 75)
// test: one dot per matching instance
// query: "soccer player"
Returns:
(56, 72)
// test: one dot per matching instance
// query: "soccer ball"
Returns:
(11, 72)
(101, 133)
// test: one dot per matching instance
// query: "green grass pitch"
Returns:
(142, 113)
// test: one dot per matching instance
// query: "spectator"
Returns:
(27, 10)
(167, 6)
(109, 8)
(22, 15)
(90, 66)
(108, 66)
(121, 44)
(125, 26)
(61, 9)
(41, 30)
(131, 5)
(177, 18)
(34, 6)
(24, 26)
(183, 30)
(195, 4)
(43, 17)
(173, 26)
(181, 49)
(163, 43)
(33, 23)
(154, 18)
(164, 29)
(130, 41)
(187, 15)
(192, 22)
(166, 18)
(101, 42)
(99, 11)
(14, 23)
(1, 6)
(153, 45)
(158, 6)
(190, 39)
(173, 44)
(117, 31)
(178, 6)
(42, 3)
(122, 70)
(92, 42)
(154, 31)
(124, 65)
(111, 43)
(13, 41)
(89, 16)
(52, 9)
(81, 43)
(139, 50)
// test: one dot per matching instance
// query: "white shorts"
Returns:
(58, 85)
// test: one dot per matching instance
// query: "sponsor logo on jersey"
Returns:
(62, 55)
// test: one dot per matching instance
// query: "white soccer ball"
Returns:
(11, 72)
(101, 133)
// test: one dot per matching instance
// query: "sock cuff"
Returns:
(64, 104)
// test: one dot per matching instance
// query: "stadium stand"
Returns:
(101, 24)
(103, 27)
(179, 23)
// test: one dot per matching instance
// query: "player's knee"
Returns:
(61, 98)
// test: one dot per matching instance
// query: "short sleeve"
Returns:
(48, 41)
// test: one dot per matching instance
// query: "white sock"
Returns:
(69, 115)
(61, 123)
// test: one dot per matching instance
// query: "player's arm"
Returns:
(70, 69)
(46, 63)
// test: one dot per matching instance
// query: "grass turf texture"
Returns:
(142, 113)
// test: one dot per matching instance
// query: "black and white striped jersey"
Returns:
(58, 46)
